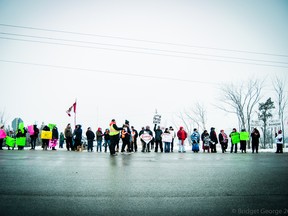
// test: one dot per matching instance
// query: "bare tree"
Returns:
(282, 101)
(241, 101)
(198, 115)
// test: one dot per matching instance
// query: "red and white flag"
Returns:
(70, 109)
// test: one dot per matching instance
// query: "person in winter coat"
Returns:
(106, 139)
(235, 139)
(55, 137)
(243, 140)
(167, 139)
(99, 137)
(125, 136)
(255, 135)
(206, 141)
(68, 136)
(213, 140)
(45, 142)
(195, 139)
(61, 140)
(279, 142)
(78, 137)
(114, 136)
(182, 135)
(134, 136)
(173, 134)
(34, 137)
(146, 137)
(90, 139)
(158, 138)
(223, 140)
(21, 133)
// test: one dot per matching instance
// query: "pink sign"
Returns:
(2, 134)
(31, 130)
(53, 143)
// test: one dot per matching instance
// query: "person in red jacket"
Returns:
(182, 135)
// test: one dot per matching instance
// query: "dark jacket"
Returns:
(106, 136)
(55, 134)
(78, 133)
(255, 135)
(90, 135)
(158, 133)
(213, 137)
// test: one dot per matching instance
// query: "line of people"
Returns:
(163, 139)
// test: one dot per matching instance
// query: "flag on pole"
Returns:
(70, 109)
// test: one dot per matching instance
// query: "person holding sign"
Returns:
(55, 136)
(244, 136)
(21, 138)
(2, 135)
(146, 137)
(235, 139)
(46, 135)
(167, 139)
(33, 136)
(158, 138)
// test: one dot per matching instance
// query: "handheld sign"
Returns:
(244, 135)
(235, 137)
(20, 141)
(46, 135)
(2, 134)
(31, 129)
(157, 119)
(146, 137)
(10, 141)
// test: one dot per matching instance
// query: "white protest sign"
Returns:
(146, 137)
(157, 119)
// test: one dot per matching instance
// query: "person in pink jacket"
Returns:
(182, 135)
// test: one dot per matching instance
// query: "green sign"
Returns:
(10, 141)
(21, 126)
(51, 126)
(21, 141)
(244, 135)
(235, 137)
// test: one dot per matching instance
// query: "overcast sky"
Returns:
(124, 59)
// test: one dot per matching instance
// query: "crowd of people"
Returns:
(162, 140)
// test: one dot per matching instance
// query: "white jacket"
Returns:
(279, 139)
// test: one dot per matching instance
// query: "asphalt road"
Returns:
(81, 183)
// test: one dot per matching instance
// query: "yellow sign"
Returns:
(46, 135)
